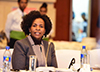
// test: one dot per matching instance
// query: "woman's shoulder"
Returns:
(24, 41)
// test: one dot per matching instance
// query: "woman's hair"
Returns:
(44, 5)
(20, 0)
(29, 19)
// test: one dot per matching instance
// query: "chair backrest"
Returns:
(64, 57)
(1, 56)
(95, 58)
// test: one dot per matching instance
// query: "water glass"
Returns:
(32, 63)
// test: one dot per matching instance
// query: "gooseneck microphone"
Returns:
(46, 68)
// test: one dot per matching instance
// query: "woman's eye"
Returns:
(41, 26)
(34, 25)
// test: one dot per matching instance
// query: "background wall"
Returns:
(60, 15)
(63, 19)
(6, 7)
(95, 11)
(80, 6)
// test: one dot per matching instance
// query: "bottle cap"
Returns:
(83, 47)
(7, 47)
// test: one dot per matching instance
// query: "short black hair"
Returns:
(29, 18)
(20, 0)
(84, 14)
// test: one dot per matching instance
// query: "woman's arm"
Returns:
(18, 56)
(53, 56)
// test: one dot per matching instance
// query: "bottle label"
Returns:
(85, 55)
(7, 59)
(82, 55)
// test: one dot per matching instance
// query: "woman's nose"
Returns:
(37, 28)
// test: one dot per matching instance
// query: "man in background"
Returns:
(75, 28)
(13, 24)
(82, 27)
(84, 23)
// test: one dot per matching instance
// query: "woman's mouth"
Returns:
(37, 33)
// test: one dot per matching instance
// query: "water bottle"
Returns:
(85, 60)
(6, 60)
(83, 56)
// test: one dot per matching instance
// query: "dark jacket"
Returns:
(22, 50)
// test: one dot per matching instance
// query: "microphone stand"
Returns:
(46, 68)
(47, 54)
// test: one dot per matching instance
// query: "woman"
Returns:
(43, 9)
(35, 26)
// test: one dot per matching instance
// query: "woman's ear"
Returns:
(45, 31)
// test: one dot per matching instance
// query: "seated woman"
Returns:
(35, 26)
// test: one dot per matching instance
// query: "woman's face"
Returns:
(38, 28)
(43, 11)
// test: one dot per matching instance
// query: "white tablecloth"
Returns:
(64, 57)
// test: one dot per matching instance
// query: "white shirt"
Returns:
(13, 22)
(75, 28)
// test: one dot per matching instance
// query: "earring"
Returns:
(43, 36)
(29, 33)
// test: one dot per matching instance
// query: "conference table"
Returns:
(96, 70)
(64, 57)
(57, 70)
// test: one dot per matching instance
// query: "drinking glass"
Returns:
(32, 63)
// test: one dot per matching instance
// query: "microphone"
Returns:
(46, 68)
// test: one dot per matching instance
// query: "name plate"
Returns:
(52, 69)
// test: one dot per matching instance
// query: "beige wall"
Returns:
(6, 7)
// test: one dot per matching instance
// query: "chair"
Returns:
(1, 56)
(64, 57)
(94, 58)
